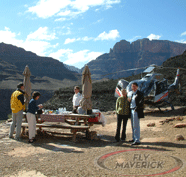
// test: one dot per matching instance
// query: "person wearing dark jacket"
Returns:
(17, 107)
(123, 113)
(137, 107)
(31, 118)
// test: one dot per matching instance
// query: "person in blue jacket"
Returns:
(31, 118)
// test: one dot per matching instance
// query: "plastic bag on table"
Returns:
(102, 120)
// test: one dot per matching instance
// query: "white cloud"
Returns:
(32, 43)
(9, 37)
(41, 34)
(93, 55)
(64, 30)
(134, 38)
(60, 19)
(83, 5)
(60, 53)
(113, 34)
(153, 36)
(71, 8)
(68, 40)
(38, 47)
(86, 38)
(48, 8)
(64, 13)
(81, 56)
(71, 58)
(181, 41)
(183, 34)
(98, 21)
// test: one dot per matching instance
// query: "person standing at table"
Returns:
(137, 107)
(76, 99)
(31, 118)
(123, 113)
(17, 107)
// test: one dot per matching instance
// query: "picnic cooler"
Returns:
(97, 117)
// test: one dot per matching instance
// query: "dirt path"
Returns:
(159, 154)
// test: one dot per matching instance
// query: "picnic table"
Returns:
(66, 117)
(74, 122)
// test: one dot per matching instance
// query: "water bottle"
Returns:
(65, 109)
(59, 110)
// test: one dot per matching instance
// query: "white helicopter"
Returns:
(155, 88)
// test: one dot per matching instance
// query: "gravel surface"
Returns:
(159, 153)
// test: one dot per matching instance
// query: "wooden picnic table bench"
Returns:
(74, 128)
(74, 122)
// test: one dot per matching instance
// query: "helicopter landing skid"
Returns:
(172, 107)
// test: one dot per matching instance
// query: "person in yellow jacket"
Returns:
(17, 107)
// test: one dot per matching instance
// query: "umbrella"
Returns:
(27, 85)
(86, 102)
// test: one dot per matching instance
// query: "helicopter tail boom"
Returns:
(161, 96)
(176, 84)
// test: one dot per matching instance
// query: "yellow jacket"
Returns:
(17, 101)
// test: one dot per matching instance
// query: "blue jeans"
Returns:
(135, 126)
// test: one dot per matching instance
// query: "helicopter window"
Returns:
(129, 87)
(149, 89)
(152, 91)
(141, 85)
(119, 87)
(161, 87)
(147, 77)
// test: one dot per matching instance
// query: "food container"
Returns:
(97, 114)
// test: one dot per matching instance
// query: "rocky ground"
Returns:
(159, 154)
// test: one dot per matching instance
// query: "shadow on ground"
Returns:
(165, 112)
(65, 144)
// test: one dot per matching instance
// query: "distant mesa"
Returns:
(140, 53)
(39, 66)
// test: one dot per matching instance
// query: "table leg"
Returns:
(85, 122)
(23, 131)
(74, 135)
(77, 121)
(40, 128)
(87, 134)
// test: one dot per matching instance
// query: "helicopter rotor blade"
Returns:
(145, 67)
(125, 70)
(166, 67)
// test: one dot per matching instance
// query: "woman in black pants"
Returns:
(123, 113)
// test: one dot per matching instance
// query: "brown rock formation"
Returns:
(140, 53)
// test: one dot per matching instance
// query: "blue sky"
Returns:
(78, 31)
